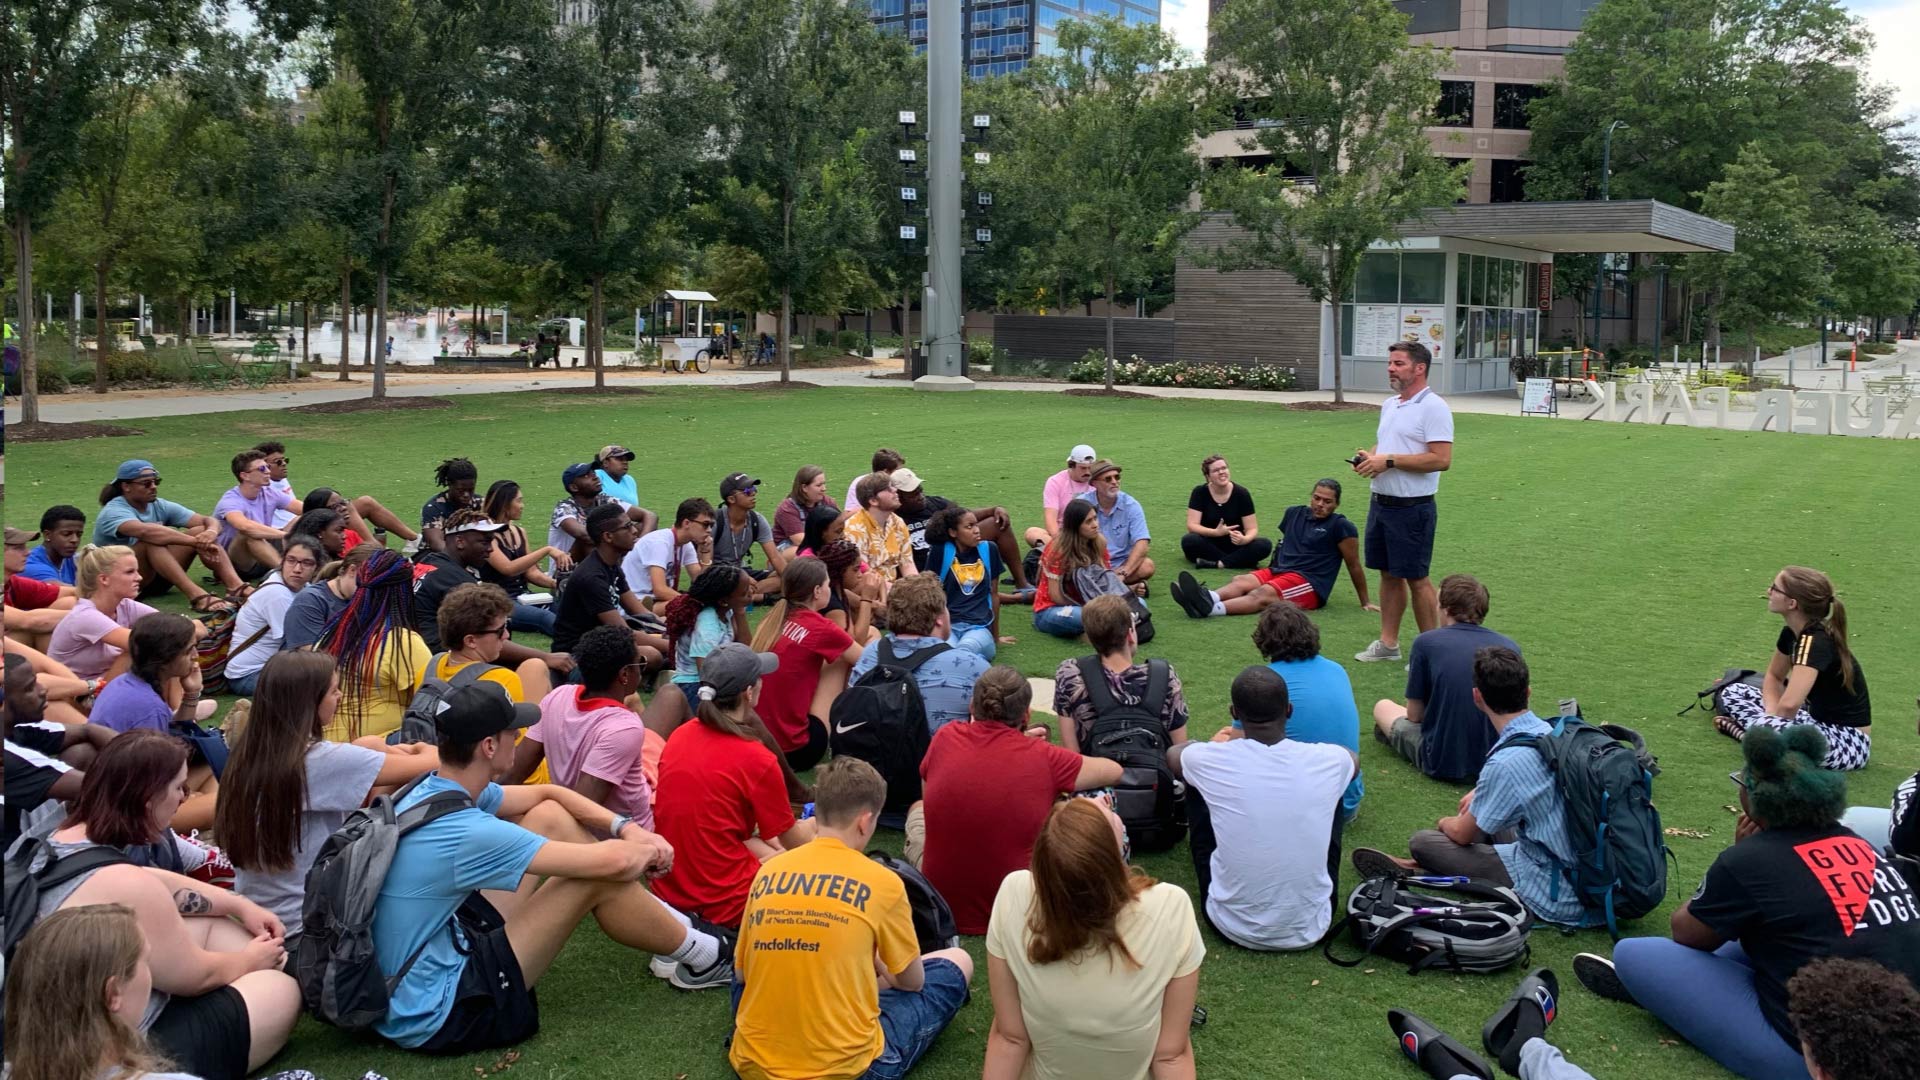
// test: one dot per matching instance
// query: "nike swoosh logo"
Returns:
(842, 729)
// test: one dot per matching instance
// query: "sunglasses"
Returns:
(1739, 780)
(503, 631)
(149, 481)
(705, 523)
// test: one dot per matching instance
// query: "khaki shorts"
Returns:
(916, 848)
(1404, 737)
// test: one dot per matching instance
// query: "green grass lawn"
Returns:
(1630, 563)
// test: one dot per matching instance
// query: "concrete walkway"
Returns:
(133, 405)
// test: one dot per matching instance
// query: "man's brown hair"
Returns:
(870, 487)
(1108, 620)
(1463, 597)
(845, 788)
(915, 605)
(471, 609)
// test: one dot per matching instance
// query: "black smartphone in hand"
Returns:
(1356, 459)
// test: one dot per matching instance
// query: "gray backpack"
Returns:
(335, 963)
(421, 724)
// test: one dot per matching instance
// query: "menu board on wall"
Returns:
(1426, 325)
(1376, 326)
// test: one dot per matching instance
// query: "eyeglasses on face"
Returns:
(503, 631)
(298, 562)
(705, 523)
(145, 481)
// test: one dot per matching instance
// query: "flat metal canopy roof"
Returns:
(1578, 227)
(691, 294)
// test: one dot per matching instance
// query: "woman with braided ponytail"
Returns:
(1795, 887)
(712, 612)
(380, 655)
(1813, 677)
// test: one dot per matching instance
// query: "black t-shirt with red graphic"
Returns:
(1789, 896)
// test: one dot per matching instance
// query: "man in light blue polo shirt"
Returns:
(1512, 827)
(1124, 525)
(917, 620)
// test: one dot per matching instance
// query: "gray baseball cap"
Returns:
(730, 669)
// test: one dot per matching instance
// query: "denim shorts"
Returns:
(912, 1021)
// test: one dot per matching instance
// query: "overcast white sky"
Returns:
(1893, 61)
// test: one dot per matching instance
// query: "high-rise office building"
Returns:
(1004, 35)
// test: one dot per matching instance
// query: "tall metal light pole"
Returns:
(943, 298)
(1600, 262)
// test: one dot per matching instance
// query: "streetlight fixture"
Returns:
(1600, 262)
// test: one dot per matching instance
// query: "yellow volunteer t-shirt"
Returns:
(403, 656)
(811, 1007)
(445, 667)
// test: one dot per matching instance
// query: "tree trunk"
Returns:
(366, 335)
(380, 328)
(596, 350)
(1339, 347)
(29, 362)
(102, 334)
(786, 295)
(346, 317)
(306, 331)
(1109, 325)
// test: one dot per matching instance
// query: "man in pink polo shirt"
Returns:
(1062, 488)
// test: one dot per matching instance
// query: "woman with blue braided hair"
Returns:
(1795, 887)
(379, 654)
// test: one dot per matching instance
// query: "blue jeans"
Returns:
(242, 685)
(1060, 621)
(1710, 999)
(910, 1021)
(528, 618)
(975, 639)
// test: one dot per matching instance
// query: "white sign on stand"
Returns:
(1538, 400)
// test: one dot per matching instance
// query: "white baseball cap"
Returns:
(1082, 455)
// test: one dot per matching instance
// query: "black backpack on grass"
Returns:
(882, 720)
(335, 963)
(1452, 923)
(932, 919)
(1147, 798)
(1605, 777)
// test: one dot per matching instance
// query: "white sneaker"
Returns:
(1377, 652)
(662, 966)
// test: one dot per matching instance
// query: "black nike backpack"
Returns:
(881, 720)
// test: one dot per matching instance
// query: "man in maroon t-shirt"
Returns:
(32, 608)
(989, 788)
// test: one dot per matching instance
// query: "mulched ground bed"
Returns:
(1332, 406)
(1101, 391)
(776, 386)
(45, 432)
(368, 404)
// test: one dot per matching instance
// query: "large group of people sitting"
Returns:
(660, 755)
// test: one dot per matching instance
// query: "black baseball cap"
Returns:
(480, 710)
(736, 482)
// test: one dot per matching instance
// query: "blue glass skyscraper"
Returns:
(1003, 35)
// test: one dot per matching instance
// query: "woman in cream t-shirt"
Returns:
(1093, 966)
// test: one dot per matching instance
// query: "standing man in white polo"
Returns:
(1413, 446)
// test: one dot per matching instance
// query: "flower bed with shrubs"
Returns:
(1092, 368)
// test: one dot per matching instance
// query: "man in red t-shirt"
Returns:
(815, 659)
(32, 608)
(989, 788)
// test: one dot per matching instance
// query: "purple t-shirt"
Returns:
(259, 510)
(77, 638)
(129, 704)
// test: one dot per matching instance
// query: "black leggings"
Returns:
(806, 757)
(1224, 551)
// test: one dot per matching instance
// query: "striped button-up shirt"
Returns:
(1517, 792)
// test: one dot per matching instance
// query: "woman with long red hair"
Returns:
(1093, 966)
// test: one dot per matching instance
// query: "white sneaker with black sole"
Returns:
(1598, 975)
(1377, 652)
(688, 977)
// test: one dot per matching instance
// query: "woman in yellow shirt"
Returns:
(379, 655)
(473, 625)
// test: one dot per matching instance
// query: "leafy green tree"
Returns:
(414, 61)
(1774, 270)
(1336, 91)
(609, 118)
(55, 57)
(1112, 140)
(806, 93)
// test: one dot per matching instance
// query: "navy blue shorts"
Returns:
(1400, 538)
